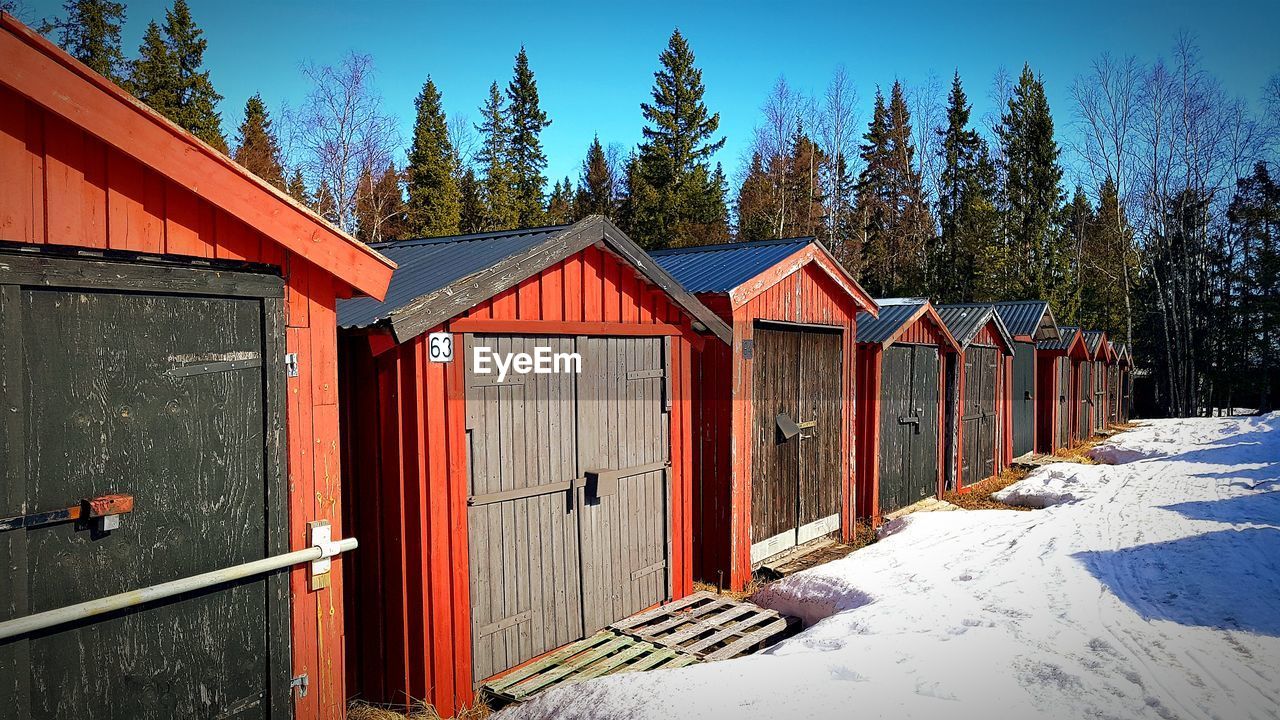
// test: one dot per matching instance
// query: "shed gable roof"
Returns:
(1094, 340)
(48, 76)
(439, 278)
(730, 268)
(964, 322)
(896, 315)
(1028, 318)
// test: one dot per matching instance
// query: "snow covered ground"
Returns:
(1146, 589)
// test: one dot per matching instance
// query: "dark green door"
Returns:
(908, 425)
(1024, 404)
(133, 379)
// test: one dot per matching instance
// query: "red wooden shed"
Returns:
(1028, 322)
(507, 513)
(1057, 404)
(901, 405)
(775, 408)
(170, 334)
(1096, 342)
(977, 388)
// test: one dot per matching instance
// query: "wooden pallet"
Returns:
(605, 653)
(699, 628)
(709, 626)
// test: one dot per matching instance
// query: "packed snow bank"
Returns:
(1161, 438)
(1154, 594)
(1054, 485)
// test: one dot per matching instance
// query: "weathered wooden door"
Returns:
(1024, 404)
(1113, 393)
(164, 383)
(568, 520)
(908, 425)
(1099, 395)
(979, 414)
(624, 456)
(1084, 398)
(798, 430)
(1065, 394)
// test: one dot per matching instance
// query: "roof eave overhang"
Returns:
(46, 75)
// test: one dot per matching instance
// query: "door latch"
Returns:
(104, 511)
(300, 683)
(291, 364)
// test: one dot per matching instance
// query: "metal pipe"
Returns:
(111, 603)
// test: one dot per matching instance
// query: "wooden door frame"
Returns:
(132, 273)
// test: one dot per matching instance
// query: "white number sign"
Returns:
(440, 347)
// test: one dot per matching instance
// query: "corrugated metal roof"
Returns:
(1066, 334)
(1091, 340)
(721, 268)
(964, 322)
(428, 264)
(894, 313)
(1032, 318)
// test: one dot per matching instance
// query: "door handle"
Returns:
(786, 426)
(105, 510)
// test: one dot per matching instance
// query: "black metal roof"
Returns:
(429, 264)
(721, 268)
(964, 322)
(438, 278)
(1032, 318)
(894, 313)
(1066, 333)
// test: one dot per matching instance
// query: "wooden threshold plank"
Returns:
(662, 610)
(742, 627)
(738, 647)
(615, 662)
(537, 682)
(709, 624)
(678, 618)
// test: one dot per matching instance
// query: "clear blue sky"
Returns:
(594, 62)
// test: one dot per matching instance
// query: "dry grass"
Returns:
(978, 497)
(360, 710)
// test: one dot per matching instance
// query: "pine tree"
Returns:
(755, 217)
(168, 76)
(297, 188)
(891, 207)
(595, 187)
(435, 205)
(257, 148)
(1032, 196)
(967, 216)
(90, 32)
(526, 120)
(471, 217)
(802, 188)
(1078, 224)
(498, 180)
(560, 204)
(153, 75)
(673, 197)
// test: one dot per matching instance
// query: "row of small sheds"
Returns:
(532, 434)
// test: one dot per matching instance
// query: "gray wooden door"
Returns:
(979, 414)
(1084, 396)
(568, 519)
(624, 454)
(798, 428)
(120, 380)
(908, 425)
(1024, 405)
(1065, 393)
(1099, 395)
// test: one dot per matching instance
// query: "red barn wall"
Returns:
(404, 434)
(61, 186)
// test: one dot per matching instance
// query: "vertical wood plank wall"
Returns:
(404, 435)
(922, 331)
(60, 186)
(723, 484)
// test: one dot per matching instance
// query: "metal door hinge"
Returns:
(300, 682)
(291, 364)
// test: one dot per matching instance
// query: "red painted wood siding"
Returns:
(723, 485)
(409, 605)
(61, 186)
